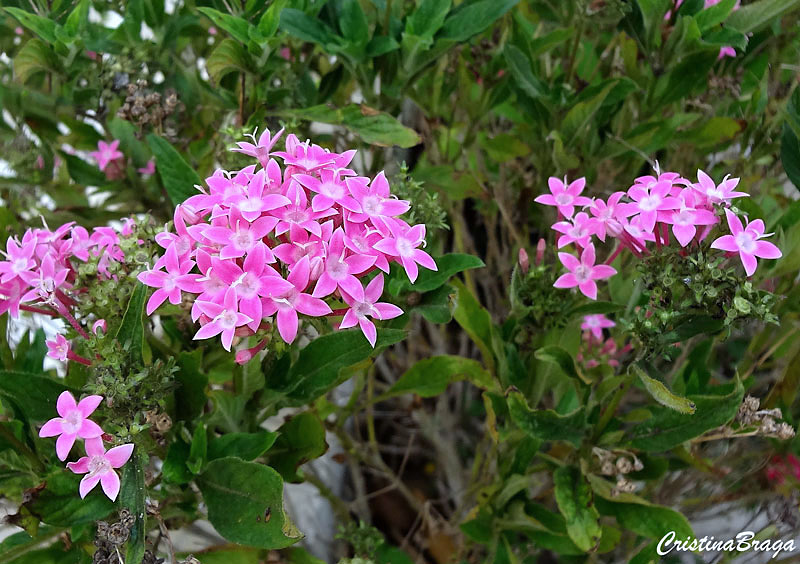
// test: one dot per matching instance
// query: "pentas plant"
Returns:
(272, 244)
(645, 219)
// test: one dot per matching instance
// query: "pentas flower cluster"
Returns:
(646, 216)
(40, 269)
(272, 242)
(99, 465)
(595, 348)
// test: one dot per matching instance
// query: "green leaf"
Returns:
(520, 67)
(546, 424)
(754, 16)
(377, 128)
(131, 331)
(34, 396)
(317, 367)
(238, 28)
(428, 18)
(59, 504)
(691, 326)
(579, 116)
(247, 446)
(685, 78)
(77, 19)
(178, 178)
(668, 428)
(82, 172)
(448, 265)
(34, 57)
(228, 56)
(268, 24)
(380, 45)
(245, 504)
(43, 27)
(174, 469)
(561, 358)
(470, 19)
(437, 306)
(132, 495)
(662, 394)
(429, 377)
(714, 15)
(790, 155)
(198, 450)
(300, 440)
(298, 24)
(476, 321)
(353, 23)
(575, 501)
(541, 45)
(190, 397)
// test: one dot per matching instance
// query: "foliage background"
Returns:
(483, 100)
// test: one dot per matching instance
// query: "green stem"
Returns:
(611, 408)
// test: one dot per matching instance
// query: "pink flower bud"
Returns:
(99, 325)
(524, 262)
(540, 248)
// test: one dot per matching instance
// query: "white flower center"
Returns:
(73, 420)
(332, 190)
(746, 242)
(99, 465)
(371, 205)
(242, 239)
(337, 269)
(583, 274)
(649, 203)
(363, 309)
(563, 199)
(404, 247)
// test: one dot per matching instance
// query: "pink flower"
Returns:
(649, 202)
(376, 201)
(259, 149)
(45, 281)
(106, 152)
(578, 230)
(171, 282)
(685, 221)
(369, 306)
(99, 466)
(289, 304)
(339, 270)
(726, 52)
(212, 30)
(306, 156)
(329, 189)
(225, 318)
(596, 323)
(148, 169)
(19, 259)
(605, 216)
(255, 201)
(745, 241)
(717, 194)
(241, 237)
(58, 349)
(250, 282)
(402, 241)
(564, 197)
(583, 272)
(73, 423)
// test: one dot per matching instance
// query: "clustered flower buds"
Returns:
(98, 464)
(267, 242)
(646, 213)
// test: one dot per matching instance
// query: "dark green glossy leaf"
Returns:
(472, 18)
(131, 331)
(245, 504)
(238, 28)
(132, 496)
(300, 439)
(179, 179)
(430, 377)
(448, 266)
(247, 446)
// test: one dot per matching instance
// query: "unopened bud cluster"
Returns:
(749, 415)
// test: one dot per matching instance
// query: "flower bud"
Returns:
(524, 262)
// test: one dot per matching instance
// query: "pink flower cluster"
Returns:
(267, 241)
(645, 214)
(98, 464)
(40, 269)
